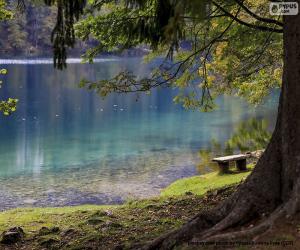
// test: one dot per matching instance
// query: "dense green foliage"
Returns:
(63, 35)
(28, 32)
(6, 106)
(225, 46)
(250, 135)
(204, 44)
(4, 13)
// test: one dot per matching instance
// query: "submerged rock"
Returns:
(12, 235)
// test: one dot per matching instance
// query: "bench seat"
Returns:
(240, 159)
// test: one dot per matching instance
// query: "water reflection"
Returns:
(65, 145)
(250, 135)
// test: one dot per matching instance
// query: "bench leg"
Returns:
(224, 167)
(241, 165)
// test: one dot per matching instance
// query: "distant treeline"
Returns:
(28, 34)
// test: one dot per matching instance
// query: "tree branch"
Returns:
(124, 83)
(250, 25)
(259, 18)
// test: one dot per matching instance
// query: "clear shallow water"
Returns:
(67, 146)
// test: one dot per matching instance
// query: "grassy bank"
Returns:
(32, 218)
(117, 227)
(104, 227)
(199, 185)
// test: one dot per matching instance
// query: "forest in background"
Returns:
(28, 34)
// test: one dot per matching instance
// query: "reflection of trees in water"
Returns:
(250, 135)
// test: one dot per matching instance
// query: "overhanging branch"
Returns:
(250, 25)
(259, 18)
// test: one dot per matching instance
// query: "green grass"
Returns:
(199, 185)
(85, 227)
(32, 219)
(133, 223)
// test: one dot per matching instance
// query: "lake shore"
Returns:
(98, 183)
(133, 222)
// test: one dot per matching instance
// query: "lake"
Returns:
(68, 146)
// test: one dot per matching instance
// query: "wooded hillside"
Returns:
(28, 34)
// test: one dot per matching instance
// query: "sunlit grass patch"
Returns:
(200, 184)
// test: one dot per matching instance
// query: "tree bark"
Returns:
(273, 188)
(290, 132)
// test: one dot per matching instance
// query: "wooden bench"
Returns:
(240, 160)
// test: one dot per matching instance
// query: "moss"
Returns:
(132, 223)
(32, 219)
(199, 185)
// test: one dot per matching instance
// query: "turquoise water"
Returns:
(67, 146)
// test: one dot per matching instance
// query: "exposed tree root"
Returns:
(245, 233)
(290, 208)
(203, 228)
(251, 200)
(204, 225)
(234, 213)
(185, 233)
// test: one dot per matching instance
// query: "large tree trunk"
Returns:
(273, 188)
(290, 117)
